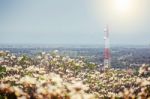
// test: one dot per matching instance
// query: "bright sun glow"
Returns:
(123, 5)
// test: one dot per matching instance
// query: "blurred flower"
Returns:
(39, 57)
(28, 80)
(43, 53)
(145, 83)
(55, 51)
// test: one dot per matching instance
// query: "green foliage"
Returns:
(2, 71)
(25, 60)
(1, 97)
(91, 66)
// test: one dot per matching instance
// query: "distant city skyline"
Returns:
(79, 22)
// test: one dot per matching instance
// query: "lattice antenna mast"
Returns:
(107, 56)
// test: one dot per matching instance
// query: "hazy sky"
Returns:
(73, 22)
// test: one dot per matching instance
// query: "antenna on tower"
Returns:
(107, 56)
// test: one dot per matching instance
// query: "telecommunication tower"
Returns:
(107, 56)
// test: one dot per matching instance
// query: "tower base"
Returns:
(107, 63)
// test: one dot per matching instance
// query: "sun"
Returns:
(123, 5)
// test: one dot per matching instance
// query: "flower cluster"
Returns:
(41, 86)
(52, 76)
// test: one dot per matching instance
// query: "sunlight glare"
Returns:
(123, 5)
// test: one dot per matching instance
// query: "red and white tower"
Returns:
(107, 56)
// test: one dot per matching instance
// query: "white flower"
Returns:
(18, 91)
(42, 71)
(64, 59)
(13, 57)
(41, 90)
(54, 59)
(28, 80)
(43, 53)
(1, 59)
(75, 96)
(19, 58)
(79, 86)
(2, 86)
(17, 76)
(145, 82)
(57, 56)
(39, 57)
(22, 97)
(56, 79)
(138, 80)
(55, 51)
